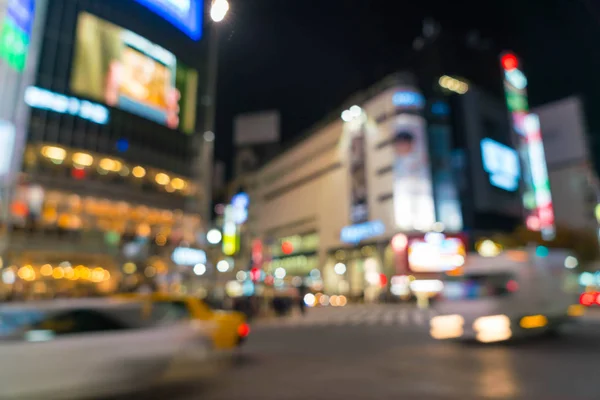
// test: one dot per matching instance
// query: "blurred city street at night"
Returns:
(385, 352)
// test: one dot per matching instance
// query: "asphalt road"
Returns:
(324, 357)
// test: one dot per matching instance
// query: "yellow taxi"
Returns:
(228, 330)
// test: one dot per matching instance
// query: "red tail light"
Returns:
(587, 299)
(243, 330)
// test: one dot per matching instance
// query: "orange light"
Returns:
(287, 248)
(509, 62)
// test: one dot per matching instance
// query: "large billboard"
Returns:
(124, 70)
(184, 14)
(413, 191)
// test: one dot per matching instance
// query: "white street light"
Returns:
(347, 116)
(199, 269)
(355, 111)
(351, 114)
(339, 268)
(214, 236)
(218, 10)
(223, 266)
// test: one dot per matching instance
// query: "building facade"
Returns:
(366, 197)
(113, 111)
(574, 183)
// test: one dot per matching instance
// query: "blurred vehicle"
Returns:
(86, 348)
(513, 294)
(228, 329)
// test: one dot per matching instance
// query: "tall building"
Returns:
(573, 181)
(114, 111)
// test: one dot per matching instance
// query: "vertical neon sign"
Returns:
(543, 219)
(537, 200)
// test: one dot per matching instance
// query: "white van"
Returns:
(515, 293)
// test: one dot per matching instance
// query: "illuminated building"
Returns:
(390, 184)
(114, 123)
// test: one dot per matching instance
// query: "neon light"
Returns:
(408, 99)
(15, 32)
(539, 176)
(47, 100)
(356, 233)
(509, 62)
(502, 163)
(516, 78)
(186, 15)
(515, 87)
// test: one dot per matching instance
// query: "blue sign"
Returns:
(46, 100)
(186, 15)
(356, 233)
(21, 12)
(240, 203)
(408, 99)
(502, 163)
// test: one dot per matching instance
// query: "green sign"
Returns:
(14, 44)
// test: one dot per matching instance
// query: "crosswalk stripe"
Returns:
(385, 315)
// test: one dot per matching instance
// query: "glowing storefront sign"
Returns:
(185, 256)
(356, 233)
(186, 15)
(408, 99)
(47, 100)
(436, 253)
(501, 163)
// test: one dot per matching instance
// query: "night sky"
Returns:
(305, 58)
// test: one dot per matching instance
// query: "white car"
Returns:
(87, 348)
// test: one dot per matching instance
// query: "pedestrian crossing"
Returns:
(353, 315)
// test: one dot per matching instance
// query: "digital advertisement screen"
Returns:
(413, 190)
(184, 14)
(124, 70)
(501, 163)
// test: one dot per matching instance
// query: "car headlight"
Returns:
(492, 328)
(446, 326)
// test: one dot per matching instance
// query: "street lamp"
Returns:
(218, 10)
(205, 144)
